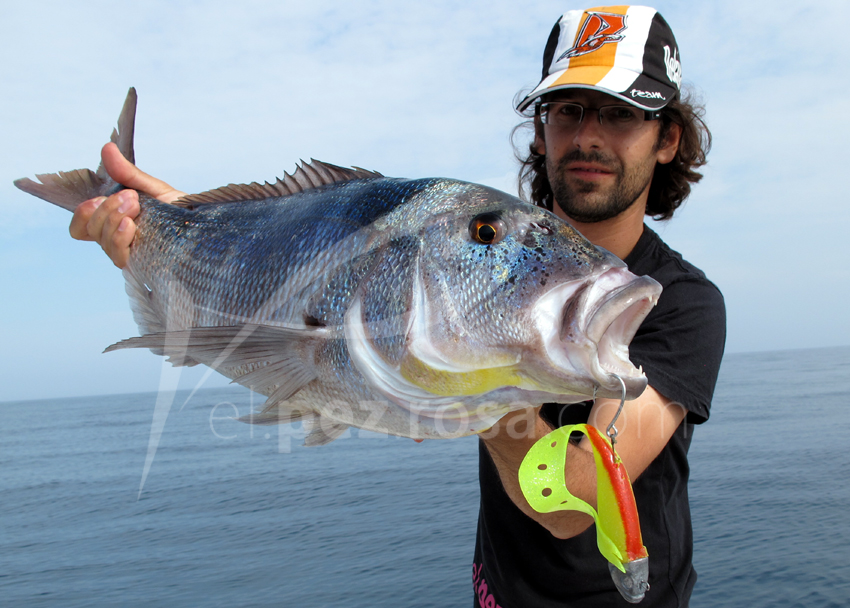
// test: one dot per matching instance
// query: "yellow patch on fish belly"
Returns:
(448, 383)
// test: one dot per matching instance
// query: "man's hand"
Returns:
(109, 221)
(644, 428)
(510, 439)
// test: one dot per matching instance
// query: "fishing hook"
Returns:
(611, 431)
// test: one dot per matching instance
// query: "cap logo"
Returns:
(674, 68)
(598, 29)
(648, 94)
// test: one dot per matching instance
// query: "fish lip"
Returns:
(599, 321)
(627, 306)
(612, 325)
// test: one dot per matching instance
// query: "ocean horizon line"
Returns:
(227, 384)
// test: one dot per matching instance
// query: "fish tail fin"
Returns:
(68, 189)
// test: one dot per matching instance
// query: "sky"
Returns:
(236, 94)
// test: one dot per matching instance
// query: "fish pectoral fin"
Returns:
(323, 430)
(280, 359)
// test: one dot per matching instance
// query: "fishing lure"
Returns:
(618, 536)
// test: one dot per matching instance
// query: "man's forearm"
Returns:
(509, 441)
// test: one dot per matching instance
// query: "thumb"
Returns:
(127, 174)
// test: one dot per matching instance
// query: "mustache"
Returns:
(594, 156)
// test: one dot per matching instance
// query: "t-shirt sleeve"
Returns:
(680, 345)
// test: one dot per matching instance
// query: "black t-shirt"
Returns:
(518, 563)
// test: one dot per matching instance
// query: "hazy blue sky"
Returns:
(233, 93)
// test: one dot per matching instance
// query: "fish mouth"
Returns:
(613, 324)
(598, 319)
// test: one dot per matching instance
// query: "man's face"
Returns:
(597, 173)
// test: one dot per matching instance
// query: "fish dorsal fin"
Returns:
(307, 176)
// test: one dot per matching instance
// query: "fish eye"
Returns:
(487, 228)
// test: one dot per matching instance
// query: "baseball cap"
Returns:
(626, 51)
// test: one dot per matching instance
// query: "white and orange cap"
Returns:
(626, 51)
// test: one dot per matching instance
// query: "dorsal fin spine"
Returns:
(307, 176)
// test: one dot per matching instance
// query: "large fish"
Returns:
(425, 308)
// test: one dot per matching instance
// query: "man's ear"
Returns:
(668, 147)
(539, 144)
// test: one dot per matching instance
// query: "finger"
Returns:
(127, 174)
(122, 238)
(82, 216)
(128, 207)
(121, 204)
(94, 226)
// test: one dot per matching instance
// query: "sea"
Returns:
(227, 514)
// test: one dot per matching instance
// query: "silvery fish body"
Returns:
(423, 308)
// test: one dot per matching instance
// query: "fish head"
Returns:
(509, 296)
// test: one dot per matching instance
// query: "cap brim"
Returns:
(632, 87)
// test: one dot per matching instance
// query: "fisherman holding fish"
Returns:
(615, 140)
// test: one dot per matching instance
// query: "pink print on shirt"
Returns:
(479, 586)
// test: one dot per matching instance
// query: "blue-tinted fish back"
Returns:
(233, 257)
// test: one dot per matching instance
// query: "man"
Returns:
(612, 143)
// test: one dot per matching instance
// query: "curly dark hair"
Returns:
(671, 182)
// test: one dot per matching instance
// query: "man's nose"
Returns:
(589, 133)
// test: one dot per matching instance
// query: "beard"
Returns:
(587, 202)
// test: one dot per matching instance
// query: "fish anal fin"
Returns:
(179, 360)
(277, 414)
(321, 430)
